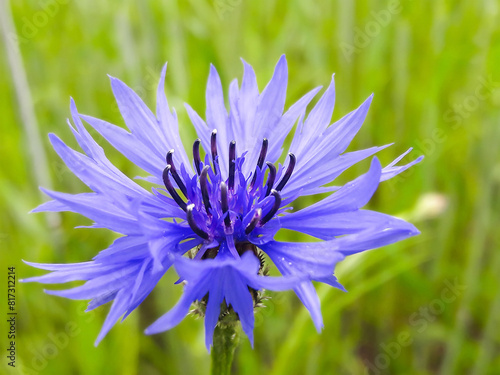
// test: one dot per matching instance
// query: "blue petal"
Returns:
(216, 112)
(107, 282)
(237, 295)
(323, 157)
(278, 133)
(94, 175)
(168, 124)
(117, 309)
(101, 300)
(341, 133)
(85, 140)
(327, 227)
(307, 183)
(74, 272)
(161, 248)
(352, 195)
(309, 298)
(139, 119)
(332, 216)
(316, 123)
(60, 267)
(193, 291)
(124, 249)
(247, 104)
(332, 281)
(217, 118)
(51, 206)
(389, 231)
(264, 119)
(128, 144)
(215, 298)
(272, 99)
(202, 130)
(316, 260)
(312, 258)
(99, 209)
(391, 171)
(143, 287)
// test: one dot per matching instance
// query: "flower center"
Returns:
(231, 209)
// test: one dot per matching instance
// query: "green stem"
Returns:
(226, 340)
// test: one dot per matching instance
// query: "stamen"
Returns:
(224, 204)
(204, 189)
(274, 209)
(196, 155)
(192, 223)
(253, 223)
(175, 175)
(213, 148)
(171, 189)
(260, 162)
(288, 173)
(270, 178)
(232, 164)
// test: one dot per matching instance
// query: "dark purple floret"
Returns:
(196, 156)
(171, 189)
(232, 164)
(274, 208)
(255, 220)
(213, 149)
(260, 162)
(270, 178)
(288, 173)
(224, 204)
(174, 173)
(192, 223)
(204, 189)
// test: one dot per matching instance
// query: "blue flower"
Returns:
(223, 209)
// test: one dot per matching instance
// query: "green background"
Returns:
(433, 66)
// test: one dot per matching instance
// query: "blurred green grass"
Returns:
(421, 62)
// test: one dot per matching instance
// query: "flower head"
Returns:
(226, 207)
